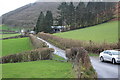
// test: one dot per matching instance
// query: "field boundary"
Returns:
(33, 55)
(19, 36)
(90, 46)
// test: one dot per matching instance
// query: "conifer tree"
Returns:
(79, 14)
(40, 23)
(48, 22)
(71, 15)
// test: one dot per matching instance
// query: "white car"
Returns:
(110, 55)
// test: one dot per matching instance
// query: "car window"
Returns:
(107, 52)
(116, 53)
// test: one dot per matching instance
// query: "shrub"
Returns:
(34, 55)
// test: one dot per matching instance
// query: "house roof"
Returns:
(58, 27)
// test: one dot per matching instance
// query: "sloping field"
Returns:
(107, 32)
(12, 46)
(37, 69)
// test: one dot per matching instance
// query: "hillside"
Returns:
(27, 15)
(107, 32)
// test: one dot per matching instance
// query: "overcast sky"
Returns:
(9, 5)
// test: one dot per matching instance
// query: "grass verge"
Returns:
(38, 69)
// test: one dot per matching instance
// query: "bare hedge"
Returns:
(33, 55)
(90, 46)
(36, 42)
(19, 36)
(81, 63)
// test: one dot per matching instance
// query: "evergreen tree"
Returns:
(63, 13)
(79, 14)
(40, 23)
(90, 16)
(71, 16)
(48, 22)
(66, 14)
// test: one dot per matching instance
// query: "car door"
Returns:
(109, 56)
(105, 54)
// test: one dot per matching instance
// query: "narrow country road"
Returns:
(103, 69)
(57, 51)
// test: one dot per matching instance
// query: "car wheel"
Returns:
(101, 59)
(113, 61)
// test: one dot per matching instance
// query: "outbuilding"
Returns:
(58, 28)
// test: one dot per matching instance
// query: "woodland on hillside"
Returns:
(78, 16)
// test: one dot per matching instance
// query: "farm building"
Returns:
(58, 28)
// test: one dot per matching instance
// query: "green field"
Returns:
(8, 35)
(4, 27)
(34, 69)
(12, 46)
(37, 69)
(106, 32)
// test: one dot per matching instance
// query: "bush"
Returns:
(34, 55)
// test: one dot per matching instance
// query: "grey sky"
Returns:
(9, 5)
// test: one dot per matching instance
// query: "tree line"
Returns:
(76, 16)
(83, 14)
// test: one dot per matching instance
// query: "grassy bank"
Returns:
(106, 32)
(38, 69)
(12, 46)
